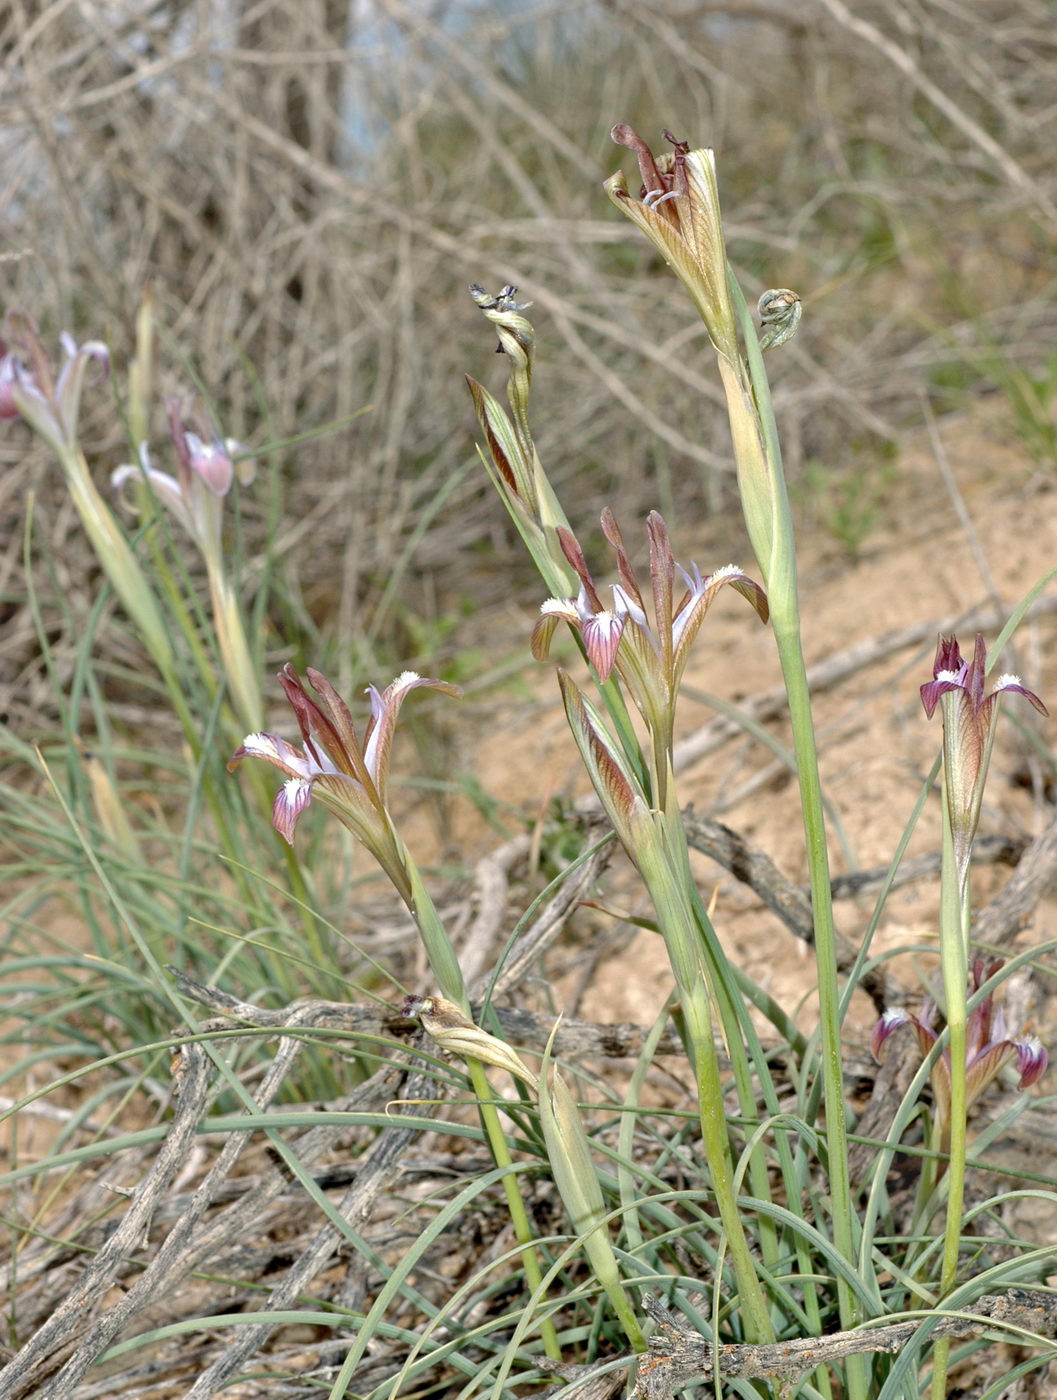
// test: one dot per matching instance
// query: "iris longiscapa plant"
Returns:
(350, 777)
(677, 208)
(649, 656)
(970, 717)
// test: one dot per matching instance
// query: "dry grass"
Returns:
(310, 196)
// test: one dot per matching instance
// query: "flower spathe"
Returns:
(350, 778)
(970, 716)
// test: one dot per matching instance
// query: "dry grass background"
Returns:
(310, 187)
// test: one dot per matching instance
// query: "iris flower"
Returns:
(989, 1048)
(349, 777)
(970, 717)
(649, 656)
(205, 469)
(677, 208)
(29, 388)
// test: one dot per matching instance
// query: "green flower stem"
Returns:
(725, 994)
(954, 965)
(120, 565)
(785, 621)
(239, 667)
(686, 952)
(769, 520)
(446, 970)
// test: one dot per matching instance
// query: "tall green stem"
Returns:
(446, 969)
(765, 501)
(954, 965)
(786, 623)
(686, 954)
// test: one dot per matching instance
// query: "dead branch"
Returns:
(679, 1355)
(575, 1039)
(53, 1342)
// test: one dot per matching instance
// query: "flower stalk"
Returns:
(642, 829)
(970, 718)
(678, 209)
(512, 461)
(206, 468)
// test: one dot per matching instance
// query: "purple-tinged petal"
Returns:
(553, 611)
(317, 730)
(71, 378)
(165, 487)
(211, 464)
(948, 673)
(276, 751)
(1032, 1060)
(601, 633)
(381, 726)
(339, 715)
(692, 609)
(749, 589)
(662, 580)
(570, 547)
(931, 692)
(290, 801)
(1010, 682)
(12, 371)
(986, 1066)
(984, 1026)
(615, 539)
(178, 435)
(974, 675)
(624, 605)
(891, 1019)
(652, 178)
